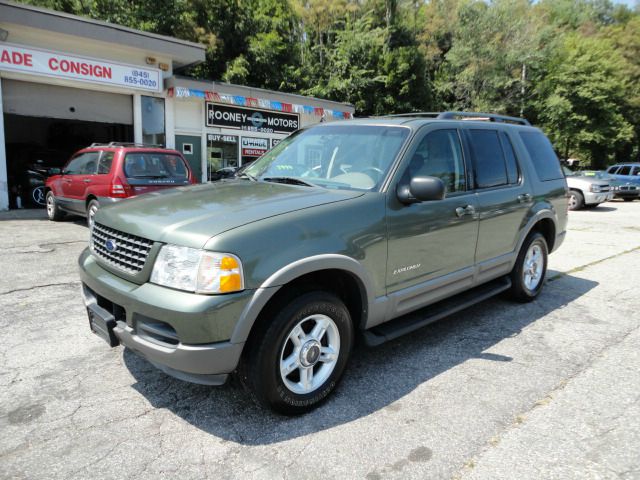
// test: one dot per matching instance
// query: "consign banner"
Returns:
(251, 119)
(16, 58)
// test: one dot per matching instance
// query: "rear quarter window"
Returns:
(544, 159)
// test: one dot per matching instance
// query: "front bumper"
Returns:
(154, 321)
(591, 198)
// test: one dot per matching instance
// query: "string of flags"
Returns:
(184, 92)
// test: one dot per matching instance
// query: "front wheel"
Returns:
(528, 274)
(53, 211)
(576, 200)
(297, 361)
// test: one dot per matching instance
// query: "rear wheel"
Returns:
(53, 211)
(627, 199)
(528, 274)
(297, 361)
(576, 200)
(92, 209)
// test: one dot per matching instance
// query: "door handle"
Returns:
(87, 180)
(524, 198)
(467, 210)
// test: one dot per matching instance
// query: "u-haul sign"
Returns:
(15, 58)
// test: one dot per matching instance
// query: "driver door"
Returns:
(431, 245)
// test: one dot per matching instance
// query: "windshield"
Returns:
(154, 165)
(567, 172)
(354, 157)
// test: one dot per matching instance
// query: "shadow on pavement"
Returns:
(374, 379)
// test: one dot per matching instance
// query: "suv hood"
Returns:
(190, 216)
(579, 180)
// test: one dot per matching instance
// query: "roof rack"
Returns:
(125, 144)
(487, 117)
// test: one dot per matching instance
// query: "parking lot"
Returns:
(503, 390)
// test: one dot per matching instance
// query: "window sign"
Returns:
(254, 147)
(215, 137)
(251, 119)
(275, 141)
(16, 58)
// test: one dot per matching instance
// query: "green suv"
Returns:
(371, 227)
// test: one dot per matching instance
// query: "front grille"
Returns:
(127, 252)
(604, 188)
(628, 187)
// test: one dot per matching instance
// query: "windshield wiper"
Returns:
(248, 175)
(289, 180)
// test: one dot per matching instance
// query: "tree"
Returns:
(580, 100)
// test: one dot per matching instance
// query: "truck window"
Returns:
(544, 159)
(489, 161)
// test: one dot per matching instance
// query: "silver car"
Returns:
(587, 190)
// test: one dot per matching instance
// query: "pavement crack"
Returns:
(46, 285)
(591, 264)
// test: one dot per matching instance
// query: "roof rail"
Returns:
(487, 117)
(125, 144)
(414, 114)
(491, 117)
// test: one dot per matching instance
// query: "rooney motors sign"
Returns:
(15, 58)
(251, 119)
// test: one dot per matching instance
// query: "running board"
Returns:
(420, 318)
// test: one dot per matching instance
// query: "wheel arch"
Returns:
(544, 221)
(338, 274)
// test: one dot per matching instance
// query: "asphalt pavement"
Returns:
(544, 390)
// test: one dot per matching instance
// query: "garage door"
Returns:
(52, 101)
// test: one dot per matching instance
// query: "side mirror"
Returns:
(421, 189)
(53, 171)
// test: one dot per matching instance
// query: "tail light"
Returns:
(118, 189)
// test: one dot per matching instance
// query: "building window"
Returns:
(153, 121)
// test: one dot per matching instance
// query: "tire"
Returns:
(53, 211)
(298, 340)
(628, 199)
(576, 200)
(92, 209)
(528, 274)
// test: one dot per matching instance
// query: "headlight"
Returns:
(197, 271)
(596, 188)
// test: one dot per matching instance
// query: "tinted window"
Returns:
(104, 166)
(613, 169)
(440, 155)
(510, 157)
(625, 170)
(636, 171)
(154, 165)
(490, 169)
(544, 159)
(85, 163)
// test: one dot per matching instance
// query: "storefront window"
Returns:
(153, 121)
(222, 152)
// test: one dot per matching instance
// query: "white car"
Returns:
(587, 191)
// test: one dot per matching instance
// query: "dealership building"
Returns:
(67, 81)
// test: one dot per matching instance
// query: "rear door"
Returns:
(503, 196)
(100, 183)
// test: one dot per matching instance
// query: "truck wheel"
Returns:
(296, 362)
(92, 209)
(528, 274)
(53, 211)
(576, 200)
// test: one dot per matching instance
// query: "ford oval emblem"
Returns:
(111, 245)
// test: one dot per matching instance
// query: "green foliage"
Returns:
(571, 66)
